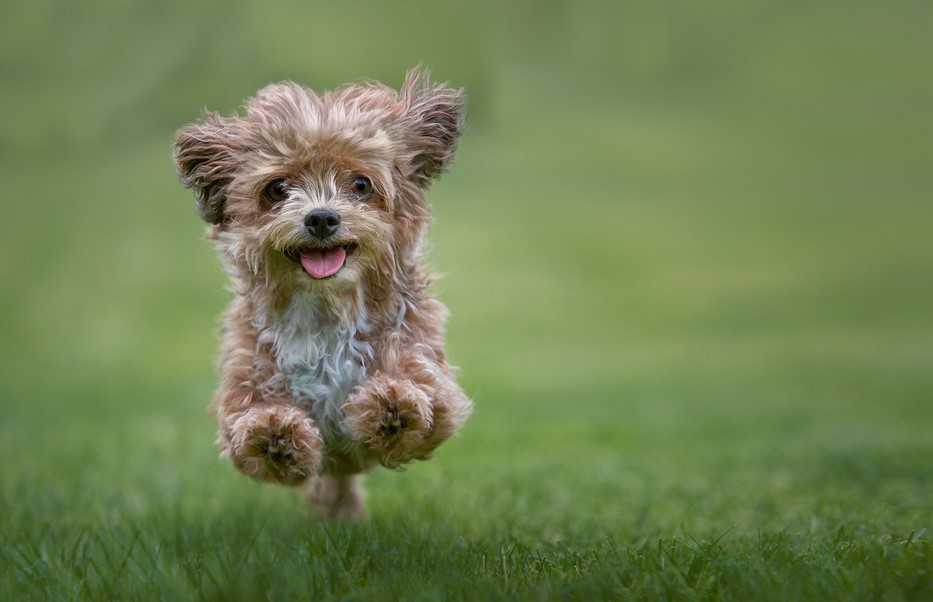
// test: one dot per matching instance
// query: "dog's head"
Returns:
(316, 191)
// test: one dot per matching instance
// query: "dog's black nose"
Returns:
(322, 223)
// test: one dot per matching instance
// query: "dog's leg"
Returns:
(272, 442)
(338, 497)
(391, 416)
(409, 407)
(265, 434)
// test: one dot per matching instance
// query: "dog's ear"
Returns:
(205, 160)
(435, 115)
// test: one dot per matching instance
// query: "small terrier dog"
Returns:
(333, 354)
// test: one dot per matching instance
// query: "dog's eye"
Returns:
(362, 186)
(277, 190)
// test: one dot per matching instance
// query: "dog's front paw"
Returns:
(391, 417)
(275, 443)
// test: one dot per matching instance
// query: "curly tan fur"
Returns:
(325, 375)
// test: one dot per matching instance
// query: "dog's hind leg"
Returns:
(340, 497)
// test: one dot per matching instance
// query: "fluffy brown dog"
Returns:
(333, 356)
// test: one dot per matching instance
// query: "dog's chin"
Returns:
(323, 263)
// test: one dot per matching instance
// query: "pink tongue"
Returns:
(321, 263)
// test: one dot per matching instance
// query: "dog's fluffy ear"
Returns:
(205, 160)
(435, 113)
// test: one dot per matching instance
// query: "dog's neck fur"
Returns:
(321, 354)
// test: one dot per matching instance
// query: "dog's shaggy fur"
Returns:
(333, 355)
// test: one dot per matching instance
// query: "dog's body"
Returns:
(333, 356)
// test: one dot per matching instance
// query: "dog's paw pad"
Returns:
(279, 449)
(392, 423)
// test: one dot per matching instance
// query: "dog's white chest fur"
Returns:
(321, 358)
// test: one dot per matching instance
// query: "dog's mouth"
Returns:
(322, 262)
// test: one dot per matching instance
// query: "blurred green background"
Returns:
(687, 247)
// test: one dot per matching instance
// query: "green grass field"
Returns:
(688, 254)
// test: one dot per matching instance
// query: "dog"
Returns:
(333, 355)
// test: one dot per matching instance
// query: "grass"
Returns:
(691, 291)
(340, 561)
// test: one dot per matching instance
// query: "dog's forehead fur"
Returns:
(363, 121)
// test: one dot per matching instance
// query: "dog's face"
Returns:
(319, 192)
